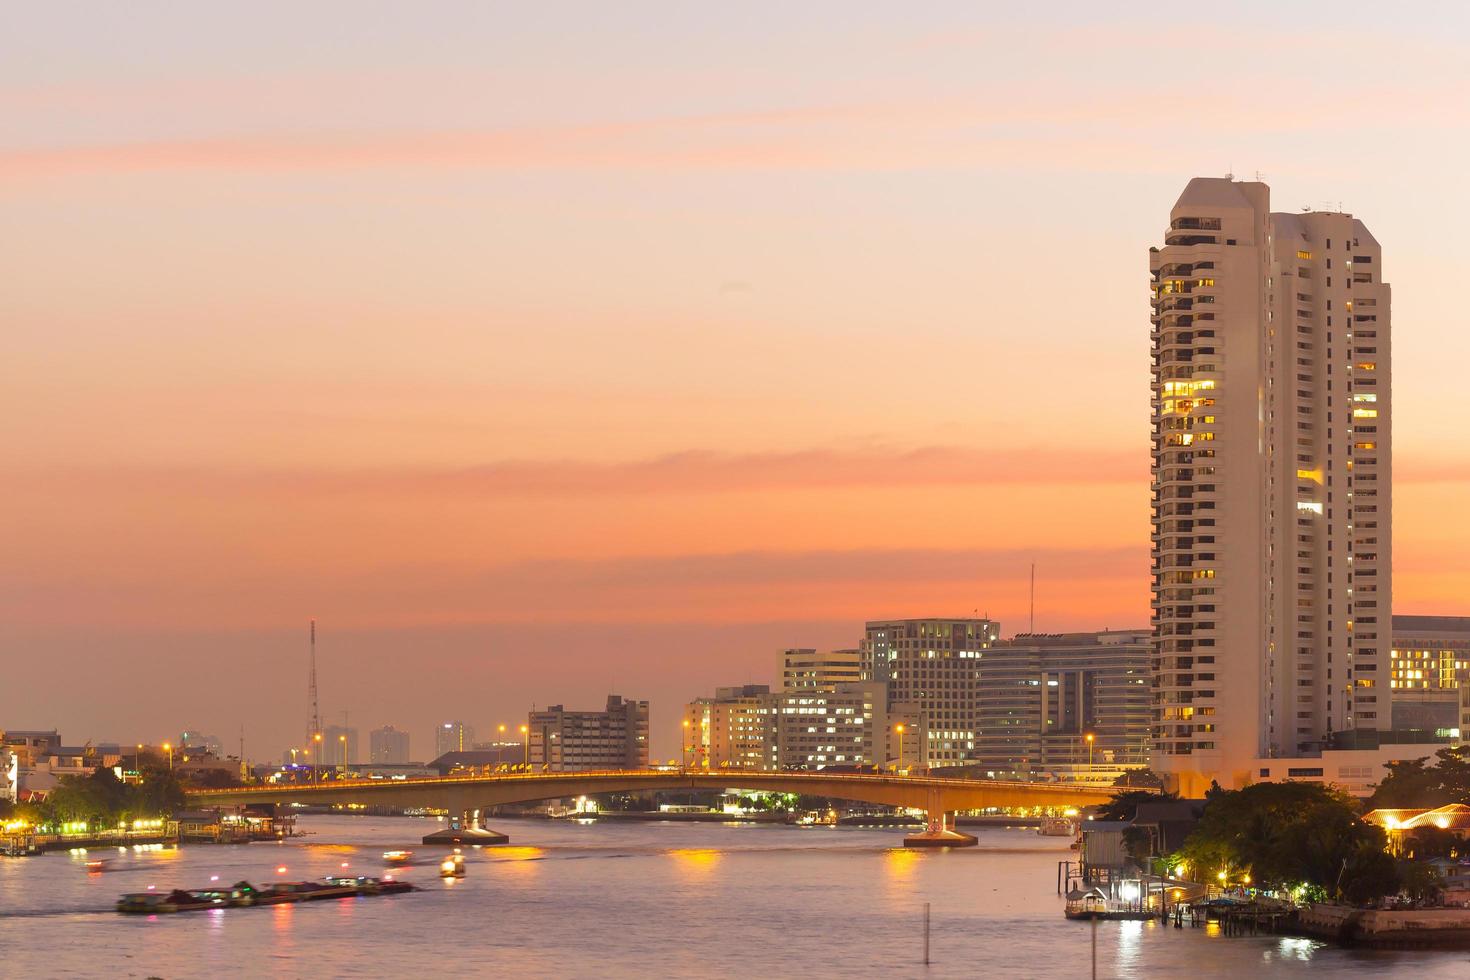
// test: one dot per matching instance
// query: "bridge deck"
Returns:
(463, 793)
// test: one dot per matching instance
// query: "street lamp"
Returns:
(342, 745)
(170, 750)
(1090, 738)
(899, 766)
(684, 747)
(526, 745)
(316, 761)
(138, 762)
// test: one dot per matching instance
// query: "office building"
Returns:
(844, 727)
(1064, 703)
(1429, 675)
(388, 745)
(807, 670)
(931, 670)
(735, 729)
(578, 741)
(1271, 485)
(453, 736)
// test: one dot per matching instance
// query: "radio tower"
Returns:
(315, 722)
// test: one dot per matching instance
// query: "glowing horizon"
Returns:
(563, 355)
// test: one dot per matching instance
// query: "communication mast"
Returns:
(314, 724)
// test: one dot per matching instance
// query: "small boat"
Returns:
(96, 867)
(1057, 827)
(398, 857)
(452, 866)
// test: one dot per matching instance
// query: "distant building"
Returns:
(1041, 696)
(846, 726)
(1429, 675)
(453, 736)
(194, 741)
(931, 669)
(807, 670)
(577, 741)
(339, 746)
(388, 745)
(735, 729)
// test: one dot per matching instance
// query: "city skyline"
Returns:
(670, 365)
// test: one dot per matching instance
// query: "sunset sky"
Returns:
(546, 350)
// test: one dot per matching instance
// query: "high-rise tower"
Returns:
(1271, 484)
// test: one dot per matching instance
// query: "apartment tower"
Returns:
(1271, 485)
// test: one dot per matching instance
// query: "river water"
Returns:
(627, 899)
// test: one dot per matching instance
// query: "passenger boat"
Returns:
(1058, 827)
(398, 857)
(452, 866)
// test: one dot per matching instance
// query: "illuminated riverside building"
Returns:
(1271, 486)
(735, 729)
(1429, 674)
(579, 741)
(931, 669)
(846, 726)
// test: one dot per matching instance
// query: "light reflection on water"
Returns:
(627, 900)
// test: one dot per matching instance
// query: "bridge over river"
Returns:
(470, 795)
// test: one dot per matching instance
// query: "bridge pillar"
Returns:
(939, 827)
(467, 828)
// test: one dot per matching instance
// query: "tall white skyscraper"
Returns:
(1271, 485)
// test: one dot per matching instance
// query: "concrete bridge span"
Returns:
(469, 795)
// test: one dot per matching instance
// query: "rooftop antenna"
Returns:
(1260, 176)
(1033, 597)
(316, 715)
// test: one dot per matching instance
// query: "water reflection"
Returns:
(696, 863)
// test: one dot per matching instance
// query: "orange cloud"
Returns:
(689, 472)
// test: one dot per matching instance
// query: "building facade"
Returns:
(807, 670)
(1271, 484)
(844, 727)
(579, 741)
(735, 729)
(388, 746)
(931, 668)
(1065, 702)
(1429, 675)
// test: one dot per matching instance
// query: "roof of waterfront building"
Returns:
(1431, 624)
(1453, 816)
(1104, 637)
